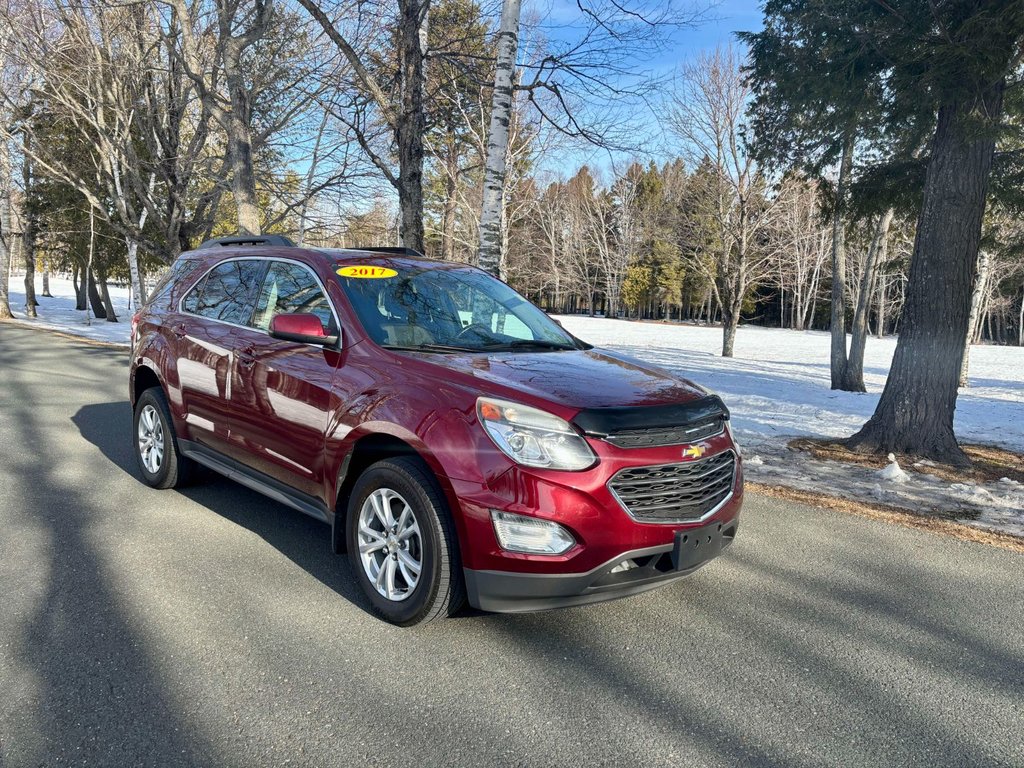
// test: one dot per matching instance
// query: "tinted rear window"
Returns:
(170, 278)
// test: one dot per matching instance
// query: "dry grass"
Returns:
(989, 464)
(894, 515)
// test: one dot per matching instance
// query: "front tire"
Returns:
(156, 446)
(402, 543)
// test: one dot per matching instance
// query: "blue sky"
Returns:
(722, 22)
(725, 19)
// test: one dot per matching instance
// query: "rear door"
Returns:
(282, 396)
(206, 336)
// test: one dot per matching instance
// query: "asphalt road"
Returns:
(214, 627)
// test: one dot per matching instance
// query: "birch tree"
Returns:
(489, 257)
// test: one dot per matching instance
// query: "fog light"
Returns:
(518, 533)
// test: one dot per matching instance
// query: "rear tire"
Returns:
(156, 445)
(402, 544)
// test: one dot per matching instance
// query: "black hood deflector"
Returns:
(600, 422)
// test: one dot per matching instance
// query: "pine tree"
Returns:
(938, 69)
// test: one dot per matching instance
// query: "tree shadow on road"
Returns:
(303, 540)
(82, 687)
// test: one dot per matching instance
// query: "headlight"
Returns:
(518, 533)
(533, 437)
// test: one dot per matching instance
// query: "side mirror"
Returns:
(301, 328)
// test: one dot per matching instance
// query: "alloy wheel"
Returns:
(151, 439)
(390, 546)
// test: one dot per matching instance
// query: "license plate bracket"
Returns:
(696, 546)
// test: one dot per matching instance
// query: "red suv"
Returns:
(459, 442)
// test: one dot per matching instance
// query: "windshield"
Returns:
(447, 309)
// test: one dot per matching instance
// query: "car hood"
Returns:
(578, 379)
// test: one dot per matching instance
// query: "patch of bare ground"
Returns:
(894, 515)
(988, 463)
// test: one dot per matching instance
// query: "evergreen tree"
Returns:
(940, 69)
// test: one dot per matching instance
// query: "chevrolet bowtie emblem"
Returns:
(693, 451)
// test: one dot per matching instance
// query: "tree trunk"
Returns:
(730, 321)
(46, 283)
(108, 305)
(138, 283)
(412, 122)
(1020, 323)
(977, 298)
(29, 226)
(78, 280)
(138, 279)
(853, 379)
(28, 246)
(95, 300)
(915, 413)
(239, 136)
(880, 309)
(5, 232)
(838, 360)
(490, 253)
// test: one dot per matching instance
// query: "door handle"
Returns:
(180, 331)
(247, 357)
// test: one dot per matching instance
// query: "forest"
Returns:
(850, 166)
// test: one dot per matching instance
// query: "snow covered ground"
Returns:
(59, 313)
(777, 387)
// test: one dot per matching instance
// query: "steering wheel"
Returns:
(481, 330)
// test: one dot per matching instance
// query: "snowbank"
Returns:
(59, 313)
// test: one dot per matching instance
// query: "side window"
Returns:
(290, 288)
(227, 292)
(191, 302)
(170, 277)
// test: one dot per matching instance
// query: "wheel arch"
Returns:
(368, 450)
(144, 377)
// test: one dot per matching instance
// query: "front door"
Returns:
(282, 397)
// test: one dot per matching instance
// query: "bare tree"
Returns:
(240, 25)
(6, 41)
(564, 81)
(801, 247)
(708, 115)
(403, 116)
(490, 250)
(853, 380)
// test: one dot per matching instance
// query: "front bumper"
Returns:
(512, 592)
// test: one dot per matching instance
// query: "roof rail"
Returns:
(279, 240)
(398, 251)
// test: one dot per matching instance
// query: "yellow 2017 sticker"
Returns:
(366, 271)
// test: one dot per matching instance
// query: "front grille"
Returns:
(654, 437)
(675, 493)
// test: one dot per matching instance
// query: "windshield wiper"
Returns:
(443, 348)
(527, 343)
